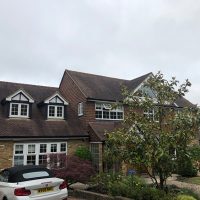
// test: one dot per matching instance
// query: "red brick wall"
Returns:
(72, 93)
(70, 90)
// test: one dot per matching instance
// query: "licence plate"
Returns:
(47, 189)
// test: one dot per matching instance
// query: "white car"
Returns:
(31, 183)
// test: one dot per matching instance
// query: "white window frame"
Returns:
(80, 109)
(55, 116)
(37, 150)
(152, 114)
(19, 110)
(108, 107)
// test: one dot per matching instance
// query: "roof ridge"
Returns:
(85, 73)
(142, 76)
(97, 75)
(27, 84)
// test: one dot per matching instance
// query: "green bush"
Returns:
(83, 153)
(186, 168)
(134, 187)
(188, 192)
(185, 197)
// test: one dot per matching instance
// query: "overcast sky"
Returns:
(39, 39)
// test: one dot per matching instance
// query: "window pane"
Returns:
(63, 147)
(43, 160)
(51, 111)
(59, 111)
(38, 174)
(43, 148)
(24, 110)
(31, 148)
(18, 160)
(106, 114)
(31, 160)
(53, 147)
(98, 114)
(14, 109)
(113, 115)
(19, 149)
(98, 106)
(120, 115)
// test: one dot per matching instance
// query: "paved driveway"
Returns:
(73, 198)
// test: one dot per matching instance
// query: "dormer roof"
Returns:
(56, 98)
(20, 95)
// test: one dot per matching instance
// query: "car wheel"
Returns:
(5, 198)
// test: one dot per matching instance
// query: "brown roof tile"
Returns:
(37, 126)
(102, 87)
(100, 128)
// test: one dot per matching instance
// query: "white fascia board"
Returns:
(56, 94)
(141, 84)
(31, 100)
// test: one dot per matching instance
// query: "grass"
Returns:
(193, 180)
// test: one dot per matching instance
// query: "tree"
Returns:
(154, 128)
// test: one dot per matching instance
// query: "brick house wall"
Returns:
(6, 150)
(72, 145)
(6, 154)
(71, 92)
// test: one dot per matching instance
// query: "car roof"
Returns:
(17, 169)
(15, 173)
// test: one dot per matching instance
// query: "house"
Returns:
(34, 123)
(37, 120)
(91, 98)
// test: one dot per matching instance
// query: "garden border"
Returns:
(94, 196)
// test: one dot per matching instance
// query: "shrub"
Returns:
(185, 197)
(186, 168)
(188, 192)
(83, 153)
(75, 169)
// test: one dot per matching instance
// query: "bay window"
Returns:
(36, 154)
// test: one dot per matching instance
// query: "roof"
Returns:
(37, 126)
(96, 87)
(100, 128)
(102, 87)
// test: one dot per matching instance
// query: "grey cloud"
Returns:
(119, 38)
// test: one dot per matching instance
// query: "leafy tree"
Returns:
(154, 128)
(83, 152)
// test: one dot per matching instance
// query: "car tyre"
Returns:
(5, 198)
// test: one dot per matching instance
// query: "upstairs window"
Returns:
(80, 109)
(56, 105)
(19, 110)
(20, 104)
(55, 111)
(151, 114)
(108, 111)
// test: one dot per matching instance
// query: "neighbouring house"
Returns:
(34, 123)
(37, 120)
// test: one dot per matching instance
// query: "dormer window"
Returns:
(55, 111)
(19, 110)
(56, 106)
(19, 104)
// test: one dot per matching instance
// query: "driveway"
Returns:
(74, 198)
